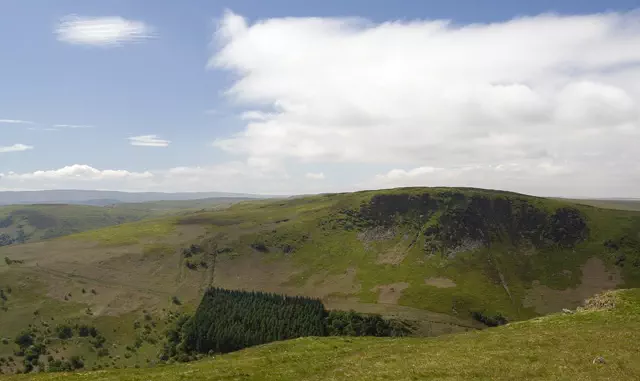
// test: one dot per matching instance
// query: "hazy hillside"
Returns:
(27, 223)
(101, 198)
(621, 204)
(439, 257)
(597, 343)
(24, 223)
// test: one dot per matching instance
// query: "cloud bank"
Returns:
(538, 104)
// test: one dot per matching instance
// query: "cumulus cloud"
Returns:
(148, 141)
(545, 94)
(102, 31)
(78, 172)
(229, 176)
(15, 148)
(314, 176)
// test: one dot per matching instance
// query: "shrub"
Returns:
(489, 320)
(24, 339)
(76, 362)
(83, 330)
(191, 265)
(98, 341)
(64, 331)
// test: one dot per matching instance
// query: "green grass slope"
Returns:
(594, 344)
(431, 255)
(49, 221)
(46, 221)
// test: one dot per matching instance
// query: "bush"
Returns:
(341, 323)
(489, 320)
(76, 362)
(64, 331)
(24, 339)
(98, 341)
(83, 330)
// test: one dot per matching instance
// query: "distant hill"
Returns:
(22, 223)
(612, 203)
(102, 198)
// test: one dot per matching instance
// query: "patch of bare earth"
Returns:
(595, 278)
(439, 282)
(376, 234)
(393, 256)
(390, 293)
(323, 285)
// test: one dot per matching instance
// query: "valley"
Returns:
(444, 259)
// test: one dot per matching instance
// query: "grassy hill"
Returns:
(45, 221)
(598, 343)
(48, 221)
(436, 256)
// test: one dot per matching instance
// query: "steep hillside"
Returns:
(598, 343)
(444, 258)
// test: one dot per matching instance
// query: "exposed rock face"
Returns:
(452, 221)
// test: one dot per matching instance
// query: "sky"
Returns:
(291, 97)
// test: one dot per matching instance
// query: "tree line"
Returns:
(230, 320)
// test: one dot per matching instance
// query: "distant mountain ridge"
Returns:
(102, 198)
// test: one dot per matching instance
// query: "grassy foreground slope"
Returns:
(556, 347)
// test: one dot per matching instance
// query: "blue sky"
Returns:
(235, 96)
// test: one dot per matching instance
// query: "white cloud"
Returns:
(228, 176)
(534, 92)
(77, 172)
(148, 141)
(15, 121)
(102, 31)
(315, 176)
(72, 126)
(15, 148)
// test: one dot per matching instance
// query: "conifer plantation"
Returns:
(229, 320)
